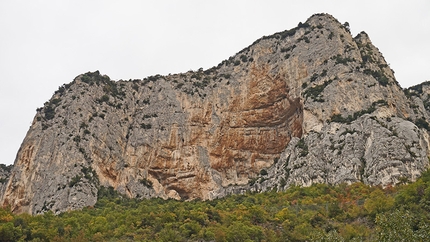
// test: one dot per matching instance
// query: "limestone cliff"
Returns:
(4, 176)
(311, 104)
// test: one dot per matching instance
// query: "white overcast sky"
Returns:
(44, 44)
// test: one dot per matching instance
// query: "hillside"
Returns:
(320, 212)
(308, 105)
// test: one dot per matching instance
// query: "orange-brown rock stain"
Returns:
(249, 132)
(16, 194)
(258, 125)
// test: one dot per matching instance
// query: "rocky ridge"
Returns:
(302, 106)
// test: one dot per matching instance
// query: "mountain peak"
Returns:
(322, 18)
(301, 106)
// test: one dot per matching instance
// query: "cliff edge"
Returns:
(308, 105)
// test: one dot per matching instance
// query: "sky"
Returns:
(46, 43)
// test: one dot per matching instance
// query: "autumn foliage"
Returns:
(355, 212)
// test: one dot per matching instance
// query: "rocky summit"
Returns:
(308, 105)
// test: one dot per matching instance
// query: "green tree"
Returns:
(400, 225)
(8, 232)
(378, 202)
(239, 231)
(331, 236)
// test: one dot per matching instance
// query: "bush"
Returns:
(75, 180)
(104, 98)
(135, 87)
(314, 92)
(107, 192)
(342, 60)
(302, 145)
(6, 168)
(288, 33)
(422, 123)
(323, 73)
(92, 78)
(90, 174)
(383, 81)
(305, 38)
(147, 183)
(49, 112)
(338, 117)
(83, 125)
(314, 77)
(77, 138)
(145, 126)
(379, 76)
(263, 172)
(303, 25)
(243, 58)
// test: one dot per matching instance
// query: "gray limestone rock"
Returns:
(306, 105)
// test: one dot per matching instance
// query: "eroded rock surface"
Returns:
(311, 104)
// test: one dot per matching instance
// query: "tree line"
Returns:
(321, 212)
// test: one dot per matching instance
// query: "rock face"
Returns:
(4, 176)
(307, 105)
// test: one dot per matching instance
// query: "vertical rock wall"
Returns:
(311, 104)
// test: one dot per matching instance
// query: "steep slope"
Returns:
(311, 104)
(4, 176)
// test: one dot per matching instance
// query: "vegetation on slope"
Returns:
(321, 212)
